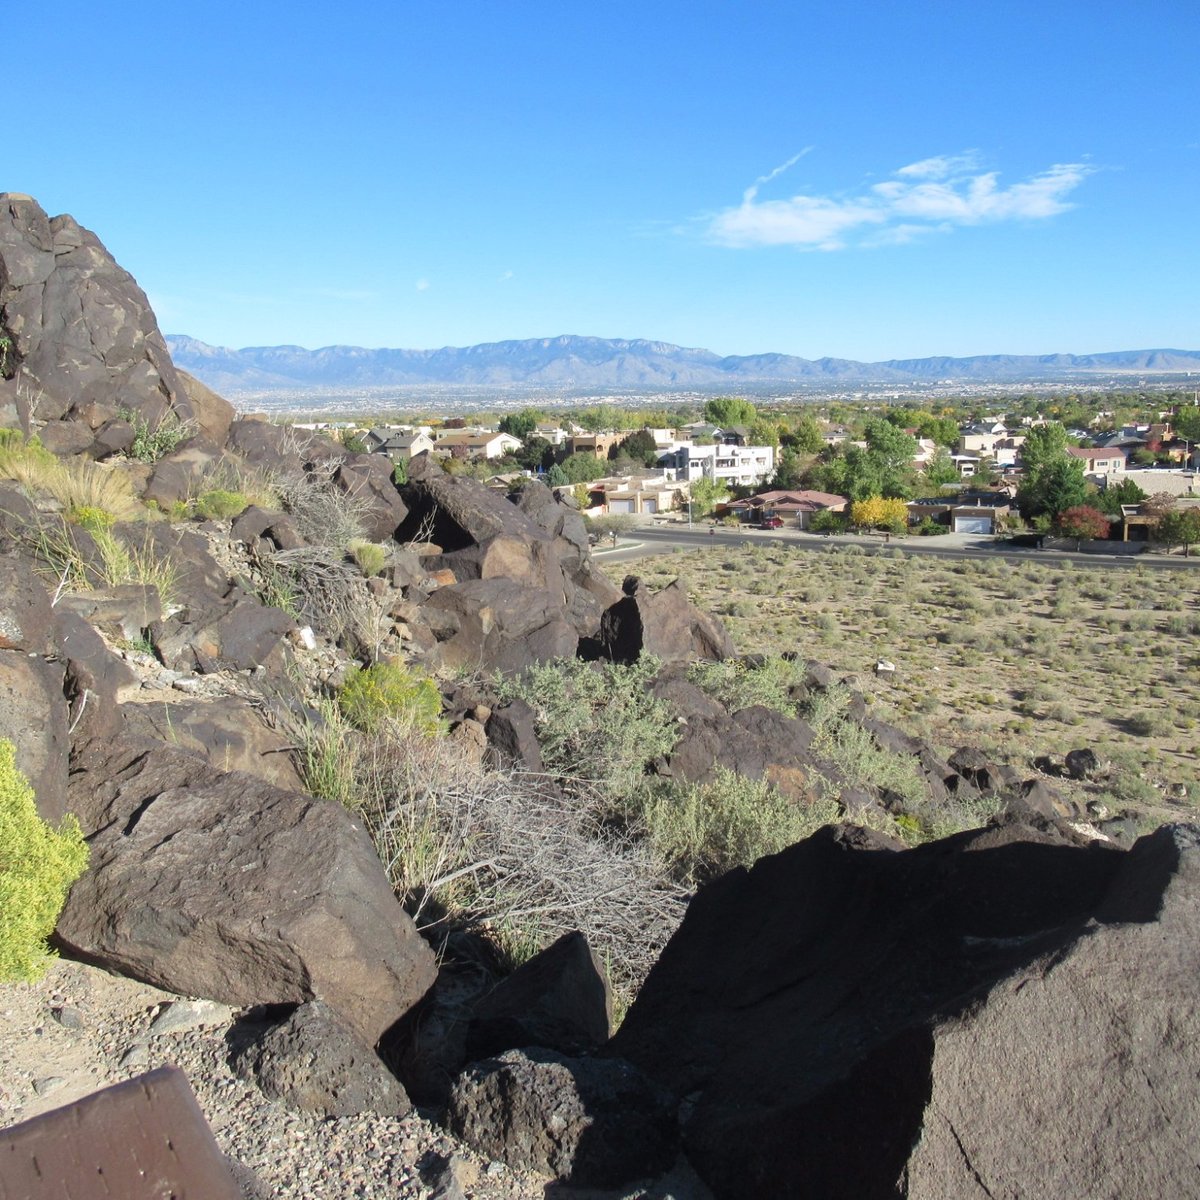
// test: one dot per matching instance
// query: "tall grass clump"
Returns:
(38, 864)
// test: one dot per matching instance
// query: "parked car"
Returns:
(771, 523)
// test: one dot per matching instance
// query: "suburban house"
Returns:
(737, 466)
(598, 444)
(970, 512)
(476, 443)
(1099, 460)
(798, 507)
(991, 441)
(399, 447)
(635, 495)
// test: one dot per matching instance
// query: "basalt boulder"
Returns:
(1002, 1013)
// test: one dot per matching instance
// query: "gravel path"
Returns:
(80, 1029)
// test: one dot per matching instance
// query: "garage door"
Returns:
(650, 506)
(972, 524)
(620, 506)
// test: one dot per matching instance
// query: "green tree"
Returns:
(940, 469)
(706, 495)
(807, 436)
(1116, 494)
(1044, 444)
(556, 476)
(534, 453)
(788, 470)
(943, 430)
(730, 410)
(1056, 486)
(521, 424)
(1186, 423)
(1178, 527)
(764, 433)
(639, 446)
(582, 467)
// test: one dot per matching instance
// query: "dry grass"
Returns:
(1019, 659)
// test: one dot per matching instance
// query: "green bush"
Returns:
(387, 691)
(703, 830)
(738, 686)
(370, 556)
(92, 518)
(38, 864)
(220, 505)
(597, 724)
(149, 445)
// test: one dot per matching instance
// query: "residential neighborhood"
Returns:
(1023, 474)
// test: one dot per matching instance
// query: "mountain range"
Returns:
(589, 362)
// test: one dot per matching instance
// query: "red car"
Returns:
(771, 523)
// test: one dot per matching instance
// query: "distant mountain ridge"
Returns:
(587, 362)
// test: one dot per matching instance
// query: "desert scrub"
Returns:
(38, 864)
(370, 556)
(389, 691)
(700, 831)
(738, 685)
(597, 724)
(218, 504)
(151, 444)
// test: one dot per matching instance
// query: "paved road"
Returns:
(660, 539)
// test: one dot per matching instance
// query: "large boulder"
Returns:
(216, 884)
(1003, 1013)
(664, 624)
(80, 326)
(368, 479)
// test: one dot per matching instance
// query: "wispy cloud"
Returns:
(422, 285)
(505, 277)
(931, 196)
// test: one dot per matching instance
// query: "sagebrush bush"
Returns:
(389, 691)
(700, 831)
(739, 686)
(597, 723)
(38, 864)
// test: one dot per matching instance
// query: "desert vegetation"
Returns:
(1019, 659)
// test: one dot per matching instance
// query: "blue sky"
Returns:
(861, 180)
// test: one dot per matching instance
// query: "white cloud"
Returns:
(422, 285)
(930, 196)
(505, 277)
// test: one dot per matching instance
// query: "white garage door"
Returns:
(972, 524)
(650, 506)
(620, 506)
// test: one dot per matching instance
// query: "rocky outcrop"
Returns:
(664, 624)
(1002, 1013)
(82, 330)
(216, 884)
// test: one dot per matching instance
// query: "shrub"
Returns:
(38, 864)
(220, 505)
(149, 445)
(738, 686)
(700, 831)
(370, 556)
(91, 518)
(597, 724)
(389, 691)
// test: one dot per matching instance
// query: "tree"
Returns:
(556, 476)
(730, 410)
(940, 469)
(639, 446)
(582, 467)
(788, 470)
(535, 453)
(1058, 485)
(943, 430)
(521, 424)
(1082, 521)
(706, 494)
(893, 451)
(984, 474)
(876, 512)
(1117, 494)
(1178, 527)
(764, 433)
(1187, 423)
(805, 436)
(1044, 444)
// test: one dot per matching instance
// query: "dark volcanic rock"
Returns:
(592, 1122)
(559, 999)
(368, 478)
(33, 716)
(997, 1014)
(218, 885)
(80, 325)
(313, 1063)
(664, 624)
